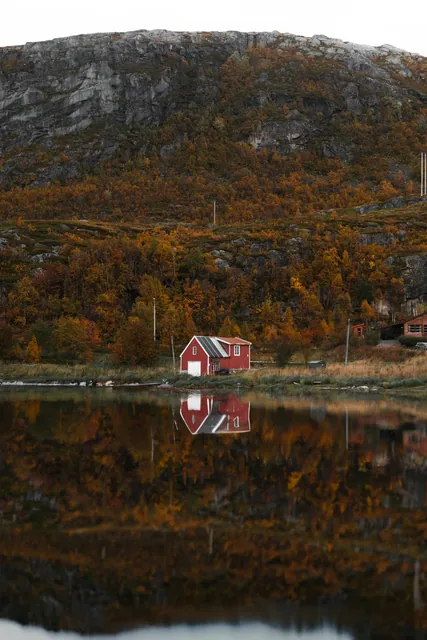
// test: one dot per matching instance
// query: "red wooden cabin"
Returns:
(215, 414)
(204, 355)
(416, 327)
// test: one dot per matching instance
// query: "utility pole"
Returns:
(423, 191)
(347, 342)
(154, 319)
(425, 173)
(214, 212)
(173, 355)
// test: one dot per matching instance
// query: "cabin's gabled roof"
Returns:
(421, 315)
(212, 347)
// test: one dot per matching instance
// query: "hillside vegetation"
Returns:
(114, 147)
(77, 288)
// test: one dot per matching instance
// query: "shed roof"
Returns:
(234, 340)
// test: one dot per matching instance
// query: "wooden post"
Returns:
(154, 319)
(347, 342)
(173, 355)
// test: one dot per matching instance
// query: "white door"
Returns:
(194, 368)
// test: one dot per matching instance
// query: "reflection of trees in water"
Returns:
(294, 503)
(291, 455)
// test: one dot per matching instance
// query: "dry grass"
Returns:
(51, 372)
(416, 367)
(363, 371)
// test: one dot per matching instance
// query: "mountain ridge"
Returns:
(171, 106)
(199, 35)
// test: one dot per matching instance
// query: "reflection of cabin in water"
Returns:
(410, 436)
(215, 414)
(416, 441)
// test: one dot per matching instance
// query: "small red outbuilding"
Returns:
(204, 355)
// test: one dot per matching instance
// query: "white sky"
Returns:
(373, 22)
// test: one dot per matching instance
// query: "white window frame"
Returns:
(194, 351)
(237, 349)
(236, 422)
(415, 328)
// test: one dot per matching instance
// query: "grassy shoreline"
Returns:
(359, 376)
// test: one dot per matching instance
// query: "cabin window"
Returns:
(236, 422)
(237, 350)
(194, 351)
(414, 328)
(216, 365)
(425, 328)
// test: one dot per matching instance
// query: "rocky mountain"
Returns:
(226, 106)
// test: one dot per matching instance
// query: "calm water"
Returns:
(124, 510)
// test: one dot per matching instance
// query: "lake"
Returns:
(132, 514)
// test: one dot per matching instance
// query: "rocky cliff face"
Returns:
(67, 104)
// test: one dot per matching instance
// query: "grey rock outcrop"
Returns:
(82, 99)
(414, 272)
(384, 239)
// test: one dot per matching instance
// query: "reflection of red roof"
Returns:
(233, 340)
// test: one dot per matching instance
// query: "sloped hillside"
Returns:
(266, 281)
(158, 124)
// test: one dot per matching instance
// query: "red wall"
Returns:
(200, 357)
(422, 320)
(236, 362)
(358, 330)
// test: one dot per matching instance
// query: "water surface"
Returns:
(121, 509)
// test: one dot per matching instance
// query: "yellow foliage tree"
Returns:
(229, 329)
(33, 351)
(366, 311)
